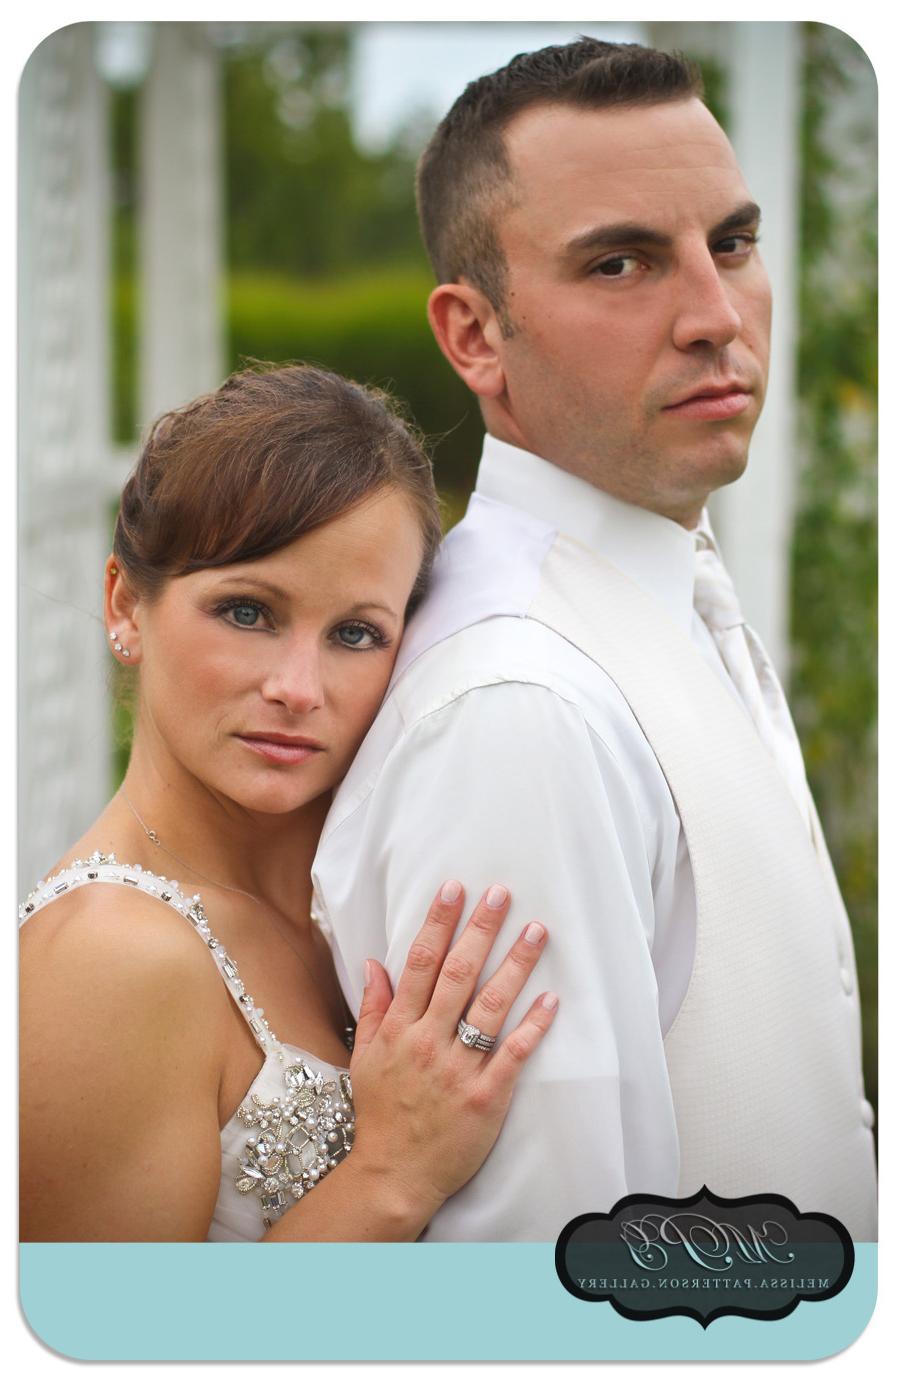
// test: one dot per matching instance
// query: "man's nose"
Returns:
(295, 677)
(706, 315)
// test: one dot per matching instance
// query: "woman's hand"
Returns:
(428, 1108)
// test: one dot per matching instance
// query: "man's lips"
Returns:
(714, 402)
(280, 749)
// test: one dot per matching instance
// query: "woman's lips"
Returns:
(711, 406)
(280, 752)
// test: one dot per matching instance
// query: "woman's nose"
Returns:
(295, 678)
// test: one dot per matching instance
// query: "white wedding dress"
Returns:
(296, 1122)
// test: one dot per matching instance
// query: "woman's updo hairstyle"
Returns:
(269, 456)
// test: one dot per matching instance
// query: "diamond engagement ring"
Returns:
(473, 1038)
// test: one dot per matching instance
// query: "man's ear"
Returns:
(468, 332)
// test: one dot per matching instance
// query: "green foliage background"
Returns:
(834, 558)
(324, 264)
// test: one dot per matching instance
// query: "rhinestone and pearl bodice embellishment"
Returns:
(296, 1137)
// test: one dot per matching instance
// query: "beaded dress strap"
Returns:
(104, 867)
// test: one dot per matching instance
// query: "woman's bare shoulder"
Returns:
(111, 949)
(122, 1017)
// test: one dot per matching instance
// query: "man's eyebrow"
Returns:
(632, 232)
(747, 215)
(617, 234)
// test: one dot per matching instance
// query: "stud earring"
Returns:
(113, 570)
(126, 653)
(113, 635)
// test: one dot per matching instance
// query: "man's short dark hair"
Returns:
(464, 175)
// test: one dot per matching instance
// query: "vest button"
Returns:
(847, 980)
(868, 1113)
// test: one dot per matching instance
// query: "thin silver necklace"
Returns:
(349, 1029)
(154, 838)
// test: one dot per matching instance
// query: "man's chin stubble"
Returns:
(679, 495)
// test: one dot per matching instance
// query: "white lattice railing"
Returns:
(69, 473)
(63, 238)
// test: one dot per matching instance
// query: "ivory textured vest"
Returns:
(764, 1055)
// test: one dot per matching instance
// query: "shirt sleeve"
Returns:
(507, 783)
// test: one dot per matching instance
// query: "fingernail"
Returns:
(496, 896)
(550, 1000)
(450, 892)
(368, 971)
(534, 933)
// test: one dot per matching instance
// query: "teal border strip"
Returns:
(336, 1302)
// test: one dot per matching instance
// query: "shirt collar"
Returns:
(656, 553)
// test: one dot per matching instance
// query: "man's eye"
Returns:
(738, 245)
(357, 635)
(618, 268)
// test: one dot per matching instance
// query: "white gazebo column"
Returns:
(64, 717)
(181, 224)
(754, 517)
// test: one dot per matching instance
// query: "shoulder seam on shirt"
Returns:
(527, 673)
(453, 695)
(527, 681)
(408, 727)
(528, 678)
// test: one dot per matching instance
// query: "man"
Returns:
(578, 711)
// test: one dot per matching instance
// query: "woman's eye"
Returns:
(247, 614)
(357, 636)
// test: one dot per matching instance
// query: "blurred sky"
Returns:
(401, 69)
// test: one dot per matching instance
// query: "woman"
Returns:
(269, 546)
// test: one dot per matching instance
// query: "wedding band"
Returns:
(473, 1038)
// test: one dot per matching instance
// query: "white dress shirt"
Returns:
(502, 753)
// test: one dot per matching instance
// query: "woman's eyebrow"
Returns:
(248, 579)
(273, 590)
(372, 606)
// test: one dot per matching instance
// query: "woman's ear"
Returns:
(120, 613)
(469, 334)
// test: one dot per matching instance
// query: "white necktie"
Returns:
(749, 667)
